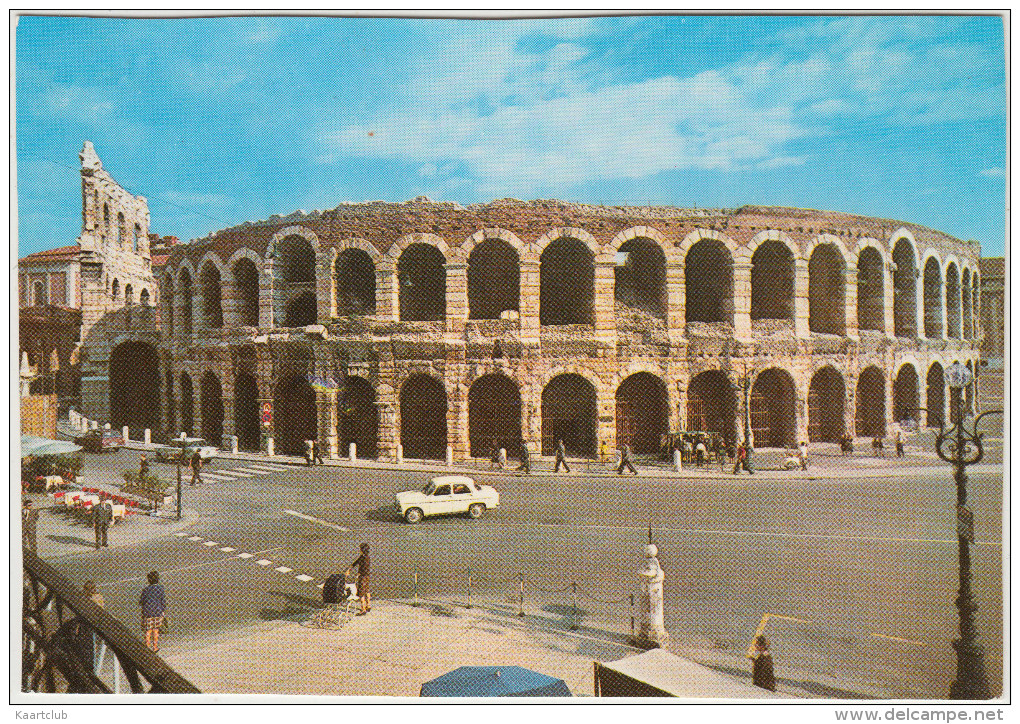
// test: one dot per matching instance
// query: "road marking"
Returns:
(218, 477)
(249, 470)
(897, 638)
(180, 535)
(273, 466)
(241, 475)
(264, 562)
(246, 555)
(227, 549)
(283, 569)
(318, 520)
(303, 578)
(195, 537)
(262, 470)
(210, 543)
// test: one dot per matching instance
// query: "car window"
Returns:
(429, 488)
(442, 490)
(460, 489)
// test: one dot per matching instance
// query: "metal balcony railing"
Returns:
(66, 636)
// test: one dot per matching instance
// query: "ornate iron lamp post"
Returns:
(961, 447)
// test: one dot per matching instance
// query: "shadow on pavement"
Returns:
(71, 540)
(813, 687)
(385, 514)
(296, 608)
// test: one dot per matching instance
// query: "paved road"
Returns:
(857, 576)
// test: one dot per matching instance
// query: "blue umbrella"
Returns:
(494, 681)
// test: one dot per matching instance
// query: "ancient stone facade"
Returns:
(420, 325)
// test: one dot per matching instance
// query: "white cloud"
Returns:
(994, 172)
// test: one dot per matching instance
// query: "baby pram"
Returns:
(340, 601)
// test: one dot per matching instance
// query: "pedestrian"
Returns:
(762, 673)
(196, 467)
(603, 452)
(688, 450)
(92, 641)
(102, 514)
(525, 458)
(29, 522)
(309, 452)
(739, 457)
(363, 565)
(153, 603)
(802, 454)
(701, 451)
(877, 447)
(748, 452)
(143, 468)
(317, 452)
(625, 461)
(561, 456)
(494, 459)
(899, 444)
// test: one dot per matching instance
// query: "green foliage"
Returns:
(148, 486)
(70, 463)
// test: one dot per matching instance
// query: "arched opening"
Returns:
(358, 418)
(953, 301)
(129, 294)
(187, 405)
(355, 283)
(708, 281)
(106, 222)
(936, 402)
(969, 390)
(144, 297)
(134, 388)
(168, 304)
(905, 395)
(932, 299)
(642, 413)
(773, 409)
(115, 290)
(39, 293)
(185, 293)
(870, 419)
(870, 291)
(772, 281)
(967, 309)
(494, 415)
(569, 414)
(827, 290)
(423, 418)
(121, 230)
(246, 412)
(246, 288)
(421, 274)
(904, 290)
(297, 260)
(712, 405)
(211, 394)
(825, 406)
(302, 310)
(171, 413)
(493, 279)
(566, 283)
(640, 277)
(136, 239)
(212, 298)
(295, 418)
(975, 307)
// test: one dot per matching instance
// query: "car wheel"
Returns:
(413, 515)
(476, 511)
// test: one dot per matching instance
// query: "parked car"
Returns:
(447, 495)
(100, 440)
(170, 453)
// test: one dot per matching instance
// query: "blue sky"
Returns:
(222, 120)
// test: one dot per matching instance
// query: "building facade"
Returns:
(422, 325)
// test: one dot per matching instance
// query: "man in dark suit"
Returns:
(102, 514)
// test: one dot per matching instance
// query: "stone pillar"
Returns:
(676, 301)
(267, 318)
(742, 299)
(530, 294)
(889, 406)
(850, 302)
(386, 438)
(677, 408)
(605, 301)
(652, 632)
(801, 408)
(325, 285)
(326, 401)
(147, 436)
(226, 374)
(605, 428)
(850, 407)
(229, 301)
(456, 421)
(456, 297)
(801, 306)
(387, 306)
(125, 433)
(890, 300)
(919, 302)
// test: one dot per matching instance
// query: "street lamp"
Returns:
(962, 447)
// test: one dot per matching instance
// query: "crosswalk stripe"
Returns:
(195, 537)
(272, 466)
(233, 471)
(217, 476)
(210, 543)
(248, 469)
(245, 555)
(264, 562)
(227, 549)
(284, 569)
(303, 578)
(260, 471)
(180, 535)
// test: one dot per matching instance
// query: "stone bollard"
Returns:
(502, 457)
(270, 450)
(230, 443)
(352, 451)
(676, 460)
(449, 456)
(652, 630)
(106, 426)
(400, 454)
(147, 436)
(125, 433)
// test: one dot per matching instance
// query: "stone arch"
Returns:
(185, 291)
(699, 234)
(358, 418)
(295, 230)
(211, 283)
(398, 247)
(952, 281)
(129, 294)
(870, 417)
(708, 280)
(827, 288)
(245, 273)
(826, 397)
(568, 232)
(823, 239)
(493, 279)
(975, 293)
(965, 294)
(134, 387)
(354, 269)
(187, 405)
(211, 395)
(935, 387)
(641, 281)
(774, 408)
(570, 414)
(294, 260)
(904, 257)
(933, 298)
(905, 393)
(574, 369)
(773, 285)
(421, 281)
(295, 417)
(492, 233)
(143, 298)
(748, 250)
(639, 232)
(567, 282)
(115, 289)
(642, 412)
(871, 287)
(423, 426)
(494, 414)
(211, 257)
(712, 404)
(356, 242)
(904, 234)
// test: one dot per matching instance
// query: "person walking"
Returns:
(802, 454)
(603, 452)
(29, 523)
(317, 452)
(741, 454)
(153, 603)
(899, 444)
(93, 642)
(364, 566)
(143, 467)
(309, 452)
(701, 451)
(625, 461)
(525, 458)
(561, 457)
(196, 468)
(102, 514)
(762, 673)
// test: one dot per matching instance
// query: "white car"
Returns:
(446, 495)
(169, 453)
